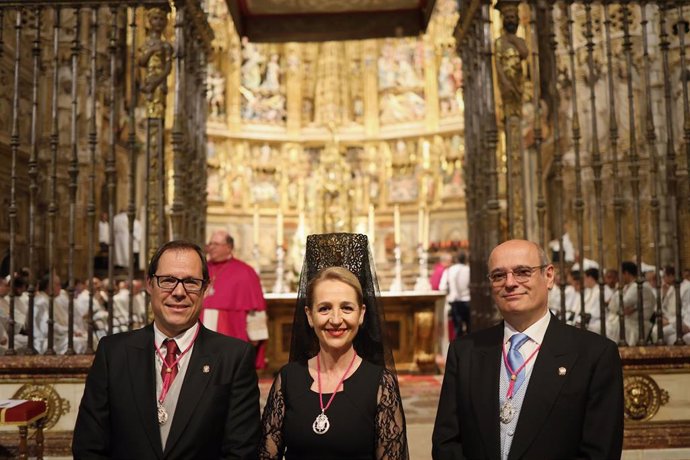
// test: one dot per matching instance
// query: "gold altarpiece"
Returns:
(331, 136)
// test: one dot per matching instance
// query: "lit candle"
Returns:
(365, 188)
(371, 224)
(255, 226)
(420, 225)
(396, 224)
(425, 154)
(425, 239)
(279, 228)
(300, 194)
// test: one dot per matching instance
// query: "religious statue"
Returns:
(216, 93)
(446, 85)
(252, 60)
(271, 82)
(156, 58)
(386, 67)
(511, 50)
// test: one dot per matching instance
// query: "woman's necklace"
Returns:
(167, 381)
(321, 424)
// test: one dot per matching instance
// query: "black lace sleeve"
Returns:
(271, 446)
(391, 433)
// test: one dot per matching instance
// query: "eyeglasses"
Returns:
(521, 275)
(169, 283)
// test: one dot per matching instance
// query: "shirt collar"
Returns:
(535, 332)
(183, 340)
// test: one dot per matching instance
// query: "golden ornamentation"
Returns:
(424, 355)
(155, 227)
(57, 406)
(156, 58)
(511, 50)
(643, 397)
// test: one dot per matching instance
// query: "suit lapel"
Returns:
(193, 386)
(486, 361)
(142, 370)
(544, 385)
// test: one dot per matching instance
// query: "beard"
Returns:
(510, 27)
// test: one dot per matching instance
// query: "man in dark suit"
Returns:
(174, 389)
(530, 387)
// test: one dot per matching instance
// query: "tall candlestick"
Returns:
(396, 224)
(255, 225)
(425, 154)
(279, 228)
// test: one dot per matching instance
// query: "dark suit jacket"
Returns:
(576, 415)
(217, 414)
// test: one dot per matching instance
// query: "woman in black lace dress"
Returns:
(338, 398)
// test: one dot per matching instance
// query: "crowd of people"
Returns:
(621, 295)
(53, 290)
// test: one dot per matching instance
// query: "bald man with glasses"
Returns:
(530, 387)
(174, 389)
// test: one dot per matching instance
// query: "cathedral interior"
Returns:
(433, 127)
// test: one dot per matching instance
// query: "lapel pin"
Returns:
(561, 371)
(206, 369)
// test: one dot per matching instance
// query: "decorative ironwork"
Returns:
(653, 170)
(33, 184)
(613, 151)
(132, 148)
(73, 172)
(537, 127)
(65, 117)
(110, 171)
(578, 204)
(14, 146)
(597, 165)
(52, 205)
(91, 200)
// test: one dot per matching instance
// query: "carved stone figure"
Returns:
(511, 50)
(446, 85)
(386, 67)
(251, 65)
(271, 81)
(216, 93)
(156, 58)
(407, 74)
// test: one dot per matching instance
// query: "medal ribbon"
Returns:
(167, 381)
(318, 378)
(514, 374)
